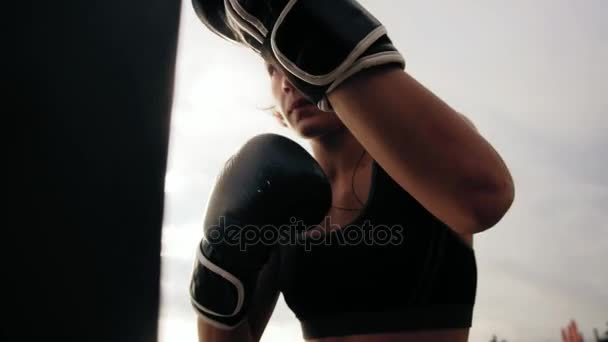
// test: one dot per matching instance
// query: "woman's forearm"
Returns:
(209, 333)
(427, 147)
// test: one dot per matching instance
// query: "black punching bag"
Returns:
(87, 96)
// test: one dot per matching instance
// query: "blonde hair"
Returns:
(274, 111)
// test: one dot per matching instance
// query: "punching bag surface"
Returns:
(90, 86)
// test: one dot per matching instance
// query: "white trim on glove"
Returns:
(262, 31)
(321, 80)
(245, 22)
(380, 58)
(226, 275)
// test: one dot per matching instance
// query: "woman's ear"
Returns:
(277, 115)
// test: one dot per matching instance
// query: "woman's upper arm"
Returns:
(266, 296)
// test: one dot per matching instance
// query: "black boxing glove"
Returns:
(318, 43)
(270, 181)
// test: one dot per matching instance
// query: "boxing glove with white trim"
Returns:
(269, 186)
(318, 43)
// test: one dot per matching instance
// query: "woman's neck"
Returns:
(339, 153)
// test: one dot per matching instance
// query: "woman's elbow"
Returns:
(491, 204)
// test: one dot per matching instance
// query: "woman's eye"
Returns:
(270, 69)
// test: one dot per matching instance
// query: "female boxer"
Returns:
(394, 155)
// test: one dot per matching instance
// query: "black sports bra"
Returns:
(394, 268)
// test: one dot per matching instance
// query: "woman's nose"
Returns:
(286, 85)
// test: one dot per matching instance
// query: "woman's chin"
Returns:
(317, 124)
(310, 132)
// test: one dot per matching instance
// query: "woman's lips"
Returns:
(303, 111)
(300, 103)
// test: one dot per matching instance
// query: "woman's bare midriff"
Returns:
(448, 335)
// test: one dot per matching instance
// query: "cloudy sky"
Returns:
(532, 77)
